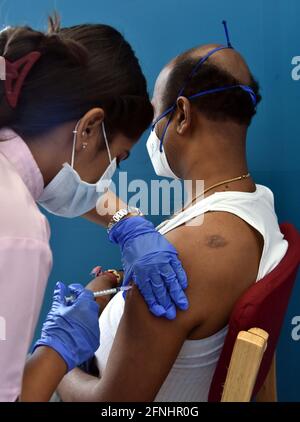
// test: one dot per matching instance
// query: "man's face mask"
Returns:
(69, 196)
(158, 156)
(155, 144)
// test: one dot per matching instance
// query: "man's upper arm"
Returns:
(143, 352)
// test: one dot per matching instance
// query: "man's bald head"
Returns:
(223, 68)
(227, 59)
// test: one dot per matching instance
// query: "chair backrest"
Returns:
(263, 306)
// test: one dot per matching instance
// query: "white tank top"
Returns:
(190, 376)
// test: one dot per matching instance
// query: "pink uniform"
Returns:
(25, 258)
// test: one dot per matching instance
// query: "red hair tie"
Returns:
(12, 74)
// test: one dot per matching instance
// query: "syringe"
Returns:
(101, 293)
(112, 291)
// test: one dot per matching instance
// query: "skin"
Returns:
(228, 253)
(44, 364)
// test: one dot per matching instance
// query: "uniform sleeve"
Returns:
(25, 265)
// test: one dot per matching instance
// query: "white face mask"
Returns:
(69, 196)
(159, 159)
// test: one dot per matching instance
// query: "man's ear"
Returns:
(183, 115)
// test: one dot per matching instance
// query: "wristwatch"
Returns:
(122, 213)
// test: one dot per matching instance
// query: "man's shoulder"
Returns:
(220, 233)
(221, 257)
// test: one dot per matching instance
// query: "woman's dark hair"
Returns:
(81, 67)
(232, 104)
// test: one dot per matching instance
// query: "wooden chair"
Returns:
(246, 368)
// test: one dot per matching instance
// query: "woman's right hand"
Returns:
(72, 328)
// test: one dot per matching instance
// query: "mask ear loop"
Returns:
(227, 34)
(106, 141)
(250, 92)
(203, 59)
(74, 144)
(224, 88)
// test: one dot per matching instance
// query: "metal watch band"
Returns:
(120, 214)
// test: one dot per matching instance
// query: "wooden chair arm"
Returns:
(268, 391)
(244, 365)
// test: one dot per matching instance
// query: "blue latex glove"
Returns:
(152, 263)
(72, 329)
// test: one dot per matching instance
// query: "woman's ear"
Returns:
(89, 129)
(183, 115)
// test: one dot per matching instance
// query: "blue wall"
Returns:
(265, 31)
